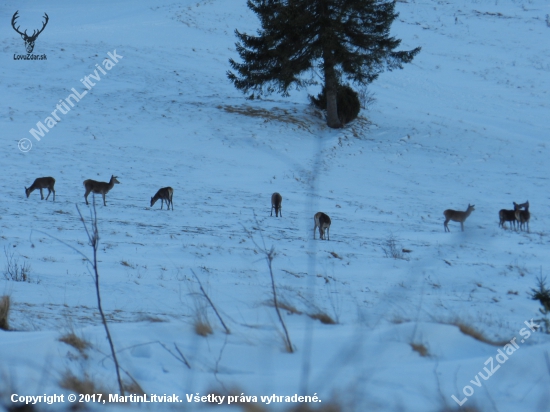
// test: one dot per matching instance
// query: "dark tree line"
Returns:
(344, 40)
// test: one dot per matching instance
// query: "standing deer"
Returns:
(523, 216)
(42, 183)
(322, 221)
(276, 200)
(506, 215)
(165, 195)
(99, 187)
(457, 216)
(29, 40)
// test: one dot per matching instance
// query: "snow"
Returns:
(465, 123)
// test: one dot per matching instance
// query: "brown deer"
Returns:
(42, 183)
(93, 186)
(165, 195)
(276, 200)
(523, 216)
(457, 216)
(506, 215)
(322, 221)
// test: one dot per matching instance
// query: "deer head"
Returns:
(29, 40)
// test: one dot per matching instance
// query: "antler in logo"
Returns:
(29, 40)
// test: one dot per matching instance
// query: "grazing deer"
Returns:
(457, 216)
(165, 195)
(322, 221)
(42, 183)
(506, 215)
(276, 200)
(99, 187)
(523, 216)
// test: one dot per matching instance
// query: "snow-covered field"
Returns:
(466, 123)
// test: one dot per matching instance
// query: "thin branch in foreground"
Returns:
(182, 359)
(93, 237)
(211, 303)
(269, 258)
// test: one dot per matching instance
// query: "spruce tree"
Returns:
(342, 39)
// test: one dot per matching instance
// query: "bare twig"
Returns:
(15, 270)
(182, 356)
(93, 237)
(269, 258)
(211, 303)
(182, 359)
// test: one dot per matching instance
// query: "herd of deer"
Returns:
(101, 188)
(321, 220)
(517, 215)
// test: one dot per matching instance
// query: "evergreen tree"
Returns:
(343, 39)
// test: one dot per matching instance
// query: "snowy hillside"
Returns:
(466, 123)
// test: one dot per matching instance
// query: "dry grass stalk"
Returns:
(84, 386)
(152, 319)
(275, 113)
(477, 335)
(76, 342)
(5, 304)
(203, 328)
(133, 388)
(420, 348)
(323, 318)
(291, 310)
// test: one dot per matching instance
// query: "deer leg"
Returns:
(86, 196)
(161, 203)
(41, 194)
(53, 190)
(446, 227)
(49, 193)
(104, 204)
(328, 232)
(462, 226)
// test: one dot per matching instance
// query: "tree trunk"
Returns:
(331, 91)
(331, 82)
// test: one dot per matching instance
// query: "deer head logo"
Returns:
(29, 40)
